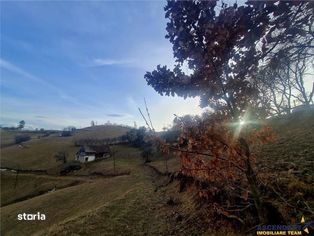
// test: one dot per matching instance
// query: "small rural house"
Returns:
(92, 153)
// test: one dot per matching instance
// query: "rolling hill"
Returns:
(139, 201)
(39, 153)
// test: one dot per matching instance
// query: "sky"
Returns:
(67, 63)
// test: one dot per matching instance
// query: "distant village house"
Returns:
(92, 153)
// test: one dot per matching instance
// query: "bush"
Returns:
(147, 153)
(170, 136)
(136, 137)
(70, 167)
(65, 133)
(22, 138)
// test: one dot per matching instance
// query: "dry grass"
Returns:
(39, 153)
(293, 148)
(173, 164)
(61, 205)
(80, 201)
(132, 205)
(8, 136)
(100, 132)
(285, 165)
(131, 213)
(20, 187)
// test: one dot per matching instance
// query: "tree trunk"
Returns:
(253, 183)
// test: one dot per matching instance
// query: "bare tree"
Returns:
(274, 91)
(282, 82)
(300, 70)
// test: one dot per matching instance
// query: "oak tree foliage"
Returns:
(223, 46)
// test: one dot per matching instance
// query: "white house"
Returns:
(85, 158)
(91, 153)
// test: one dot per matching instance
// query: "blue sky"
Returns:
(67, 63)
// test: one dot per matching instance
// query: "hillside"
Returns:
(285, 167)
(8, 136)
(126, 202)
(39, 153)
(101, 131)
(294, 143)
(140, 201)
(293, 147)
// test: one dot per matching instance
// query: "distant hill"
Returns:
(39, 153)
(101, 131)
(8, 136)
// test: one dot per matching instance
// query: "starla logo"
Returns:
(27, 216)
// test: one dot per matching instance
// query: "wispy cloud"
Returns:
(109, 62)
(116, 115)
(15, 69)
(146, 57)
(41, 117)
(4, 64)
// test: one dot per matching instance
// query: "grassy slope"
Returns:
(8, 136)
(100, 131)
(132, 212)
(130, 205)
(286, 164)
(39, 153)
(104, 205)
(23, 186)
(292, 149)
(173, 164)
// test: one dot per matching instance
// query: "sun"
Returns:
(242, 122)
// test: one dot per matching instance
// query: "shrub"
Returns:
(22, 138)
(66, 133)
(147, 153)
(69, 167)
(136, 137)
